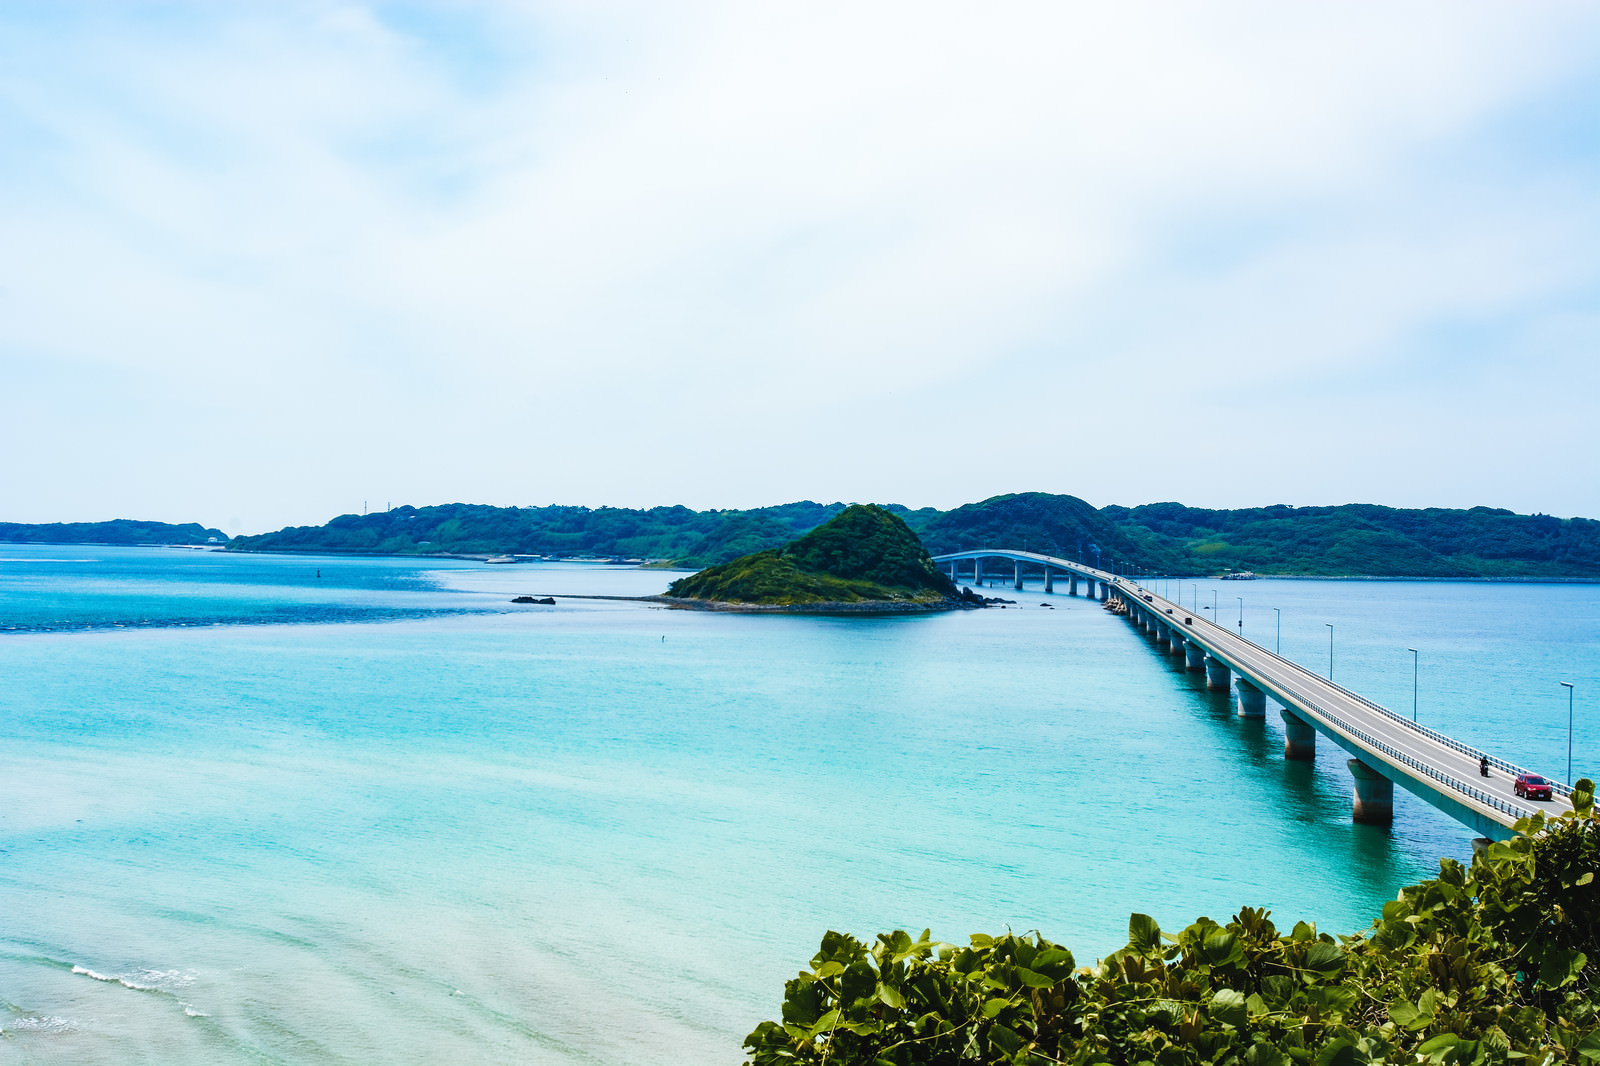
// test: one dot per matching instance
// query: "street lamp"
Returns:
(1330, 649)
(1568, 686)
(1413, 652)
(1196, 589)
(1280, 630)
(1213, 605)
(1241, 614)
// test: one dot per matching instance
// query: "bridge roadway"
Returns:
(1385, 748)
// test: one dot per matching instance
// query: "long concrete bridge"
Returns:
(1384, 748)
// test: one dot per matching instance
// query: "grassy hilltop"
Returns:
(863, 555)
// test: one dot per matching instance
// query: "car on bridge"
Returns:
(1531, 786)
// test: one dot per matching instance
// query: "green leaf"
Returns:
(1561, 966)
(1439, 1045)
(1053, 959)
(1333, 999)
(1144, 935)
(1589, 1047)
(1008, 1040)
(828, 1021)
(891, 996)
(1340, 1052)
(1222, 946)
(1033, 979)
(1263, 1054)
(1406, 1016)
(1228, 1006)
(992, 1007)
(1324, 957)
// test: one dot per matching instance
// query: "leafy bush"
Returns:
(1492, 963)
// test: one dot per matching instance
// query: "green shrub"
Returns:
(1492, 963)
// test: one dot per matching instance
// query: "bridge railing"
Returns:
(1421, 767)
(1416, 727)
(1366, 738)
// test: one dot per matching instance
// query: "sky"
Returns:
(263, 263)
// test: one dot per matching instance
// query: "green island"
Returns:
(1492, 963)
(863, 558)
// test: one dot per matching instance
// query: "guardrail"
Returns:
(1373, 742)
(1422, 767)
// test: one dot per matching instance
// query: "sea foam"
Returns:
(39, 1024)
(168, 981)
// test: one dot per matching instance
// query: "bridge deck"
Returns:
(1436, 767)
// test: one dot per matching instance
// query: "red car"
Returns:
(1531, 786)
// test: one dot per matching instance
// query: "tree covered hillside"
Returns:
(1367, 540)
(864, 554)
(690, 538)
(1354, 540)
(118, 531)
(1063, 526)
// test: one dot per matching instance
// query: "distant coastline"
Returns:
(1357, 541)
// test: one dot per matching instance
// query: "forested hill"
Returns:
(1364, 539)
(862, 556)
(1356, 540)
(118, 531)
(690, 538)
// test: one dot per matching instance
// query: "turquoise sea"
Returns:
(270, 809)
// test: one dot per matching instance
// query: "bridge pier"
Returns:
(1016, 570)
(1049, 579)
(1217, 674)
(1299, 739)
(1105, 593)
(1252, 701)
(1072, 584)
(977, 573)
(1178, 643)
(1194, 657)
(1374, 795)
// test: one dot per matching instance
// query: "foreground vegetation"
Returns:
(864, 554)
(1492, 963)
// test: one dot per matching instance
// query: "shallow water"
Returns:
(249, 814)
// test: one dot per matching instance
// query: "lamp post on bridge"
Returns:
(1568, 686)
(1241, 614)
(1279, 613)
(1214, 606)
(1196, 607)
(1413, 652)
(1330, 649)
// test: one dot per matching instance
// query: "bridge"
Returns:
(1384, 749)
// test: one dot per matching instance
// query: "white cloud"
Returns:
(632, 254)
